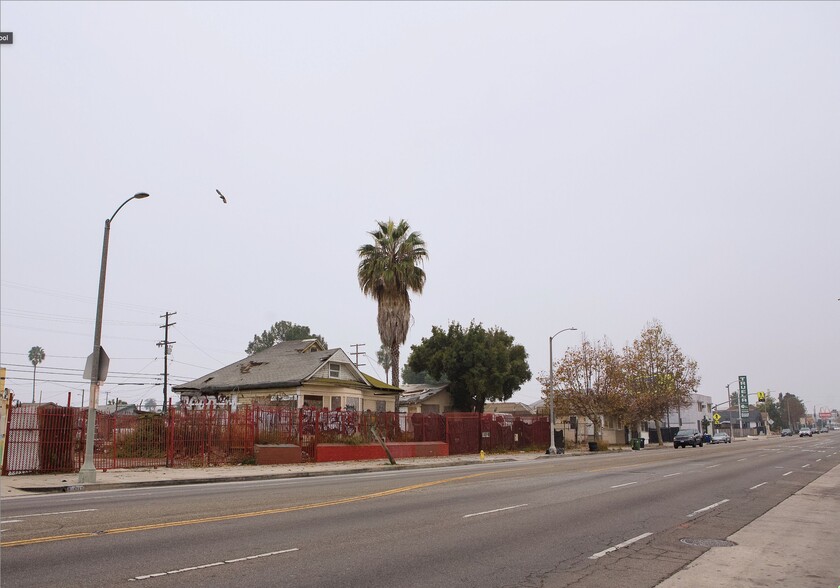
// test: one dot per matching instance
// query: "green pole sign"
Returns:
(743, 397)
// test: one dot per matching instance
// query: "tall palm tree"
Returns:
(36, 356)
(383, 358)
(388, 269)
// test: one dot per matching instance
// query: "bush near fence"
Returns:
(50, 438)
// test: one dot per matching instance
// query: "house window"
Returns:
(380, 406)
(430, 409)
(335, 370)
(352, 404)
(335, 402)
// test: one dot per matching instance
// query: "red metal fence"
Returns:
(50, 438)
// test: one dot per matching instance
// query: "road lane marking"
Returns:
(210, 565)
(710, 507)
(8, 522)
(669, 475)
(742, 459)
(757, 486)
(243, 515)
(47, 514)
(619, 546)
(787, 474)
(475, 514)
(807, 465)
(622, 485)
(712, 466)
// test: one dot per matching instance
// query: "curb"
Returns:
(245, 478)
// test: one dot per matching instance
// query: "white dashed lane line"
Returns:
(622, 485)
(757, 486)
(211, 565)
(807, 465)
(619, 546)
(475, 514)
(787, 474)
(669, 475)
(710, 507)
(712, 466)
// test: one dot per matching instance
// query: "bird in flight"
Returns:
(222, 196)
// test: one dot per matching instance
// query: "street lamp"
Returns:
(729, 399)
(552, 450)
(87, 473)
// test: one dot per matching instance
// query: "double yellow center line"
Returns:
(244, 515)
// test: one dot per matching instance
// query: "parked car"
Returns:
(814, 430)
(787, 433)
(688, 437)
(824, 430)
(805, 432)
(721, 438)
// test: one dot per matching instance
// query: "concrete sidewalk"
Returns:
(26, 485)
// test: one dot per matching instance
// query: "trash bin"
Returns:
(634, 443)
(641, 443)
(593, 446)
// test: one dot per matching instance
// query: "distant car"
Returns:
(720, 438)
(806, 432)
(815, 431)
(787, 433)
(824, 430)
(688, 437)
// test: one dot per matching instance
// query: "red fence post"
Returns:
(5, 469)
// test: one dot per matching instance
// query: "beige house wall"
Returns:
(365, 400)
(443, 401)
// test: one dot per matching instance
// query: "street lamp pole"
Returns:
(87, 473)
(552, 450)
(729, 398)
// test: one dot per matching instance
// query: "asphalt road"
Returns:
(594, 520)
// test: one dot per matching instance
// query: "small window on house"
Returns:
(380, 406)
(335, 370)
(352, 404)
(335, 403)
(430, 409)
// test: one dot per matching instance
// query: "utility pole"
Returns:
(167, 349)
(357, 353)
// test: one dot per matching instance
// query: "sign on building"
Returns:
(743, 397)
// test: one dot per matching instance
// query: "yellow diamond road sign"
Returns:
(716, 418)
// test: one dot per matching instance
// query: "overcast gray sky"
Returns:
(596, 165)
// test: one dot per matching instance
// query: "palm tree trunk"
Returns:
(34, 367)
(395, 373)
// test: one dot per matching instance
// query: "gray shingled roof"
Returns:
(417, 393)
(284, 365)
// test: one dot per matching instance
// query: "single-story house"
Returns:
(422, 398)
(296, 374)
(514, 408)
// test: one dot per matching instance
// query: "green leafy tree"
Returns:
(383, 358)
(771, 407)
(480, 364)
(657, 375)
(281, 331)
(409, 376)
(389, 268)
(36, 356)
(792, 410)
